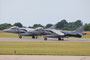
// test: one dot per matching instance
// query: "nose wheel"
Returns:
(45, 38)
(20, 36)
(34, 37)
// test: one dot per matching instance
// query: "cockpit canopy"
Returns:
(14, 27)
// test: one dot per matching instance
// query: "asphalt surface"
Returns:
(41, 39)
(42, 57)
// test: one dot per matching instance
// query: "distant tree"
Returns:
(61, 24)
(70, 26)
(30, 27)
(37, 25)
(5, 26)
(48, 25)
(18, 24)
(78, 22)
(64, 25)
(87, 27)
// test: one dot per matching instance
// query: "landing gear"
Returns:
(33, 37)
(45, 38)
(60, 39)
(36, 37)
(20, 36)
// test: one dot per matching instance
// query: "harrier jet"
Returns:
(34, 33)
(60, 34)
(26, 31)
(16, 29)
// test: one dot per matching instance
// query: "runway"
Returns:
(42, 57)
(41, 39)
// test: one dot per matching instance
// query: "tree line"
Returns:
(63, 24)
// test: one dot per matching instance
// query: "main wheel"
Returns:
(59, 39)
(33, 37)
(45, 38)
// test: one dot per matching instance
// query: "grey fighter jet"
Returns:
(16, 29)
(34, 33)
(60, 34)
(26, 31)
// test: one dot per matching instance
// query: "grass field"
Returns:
(86, 36)
(45, 48)
(5, 34)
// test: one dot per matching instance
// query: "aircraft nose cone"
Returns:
(5, 30)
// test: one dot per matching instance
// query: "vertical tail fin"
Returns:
(53, 27)
(80, 29)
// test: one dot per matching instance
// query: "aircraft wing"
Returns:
(57, 32)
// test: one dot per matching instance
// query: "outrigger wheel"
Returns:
(36, 37)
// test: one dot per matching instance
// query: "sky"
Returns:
(30, 12)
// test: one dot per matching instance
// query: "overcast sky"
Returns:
(30, 12)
